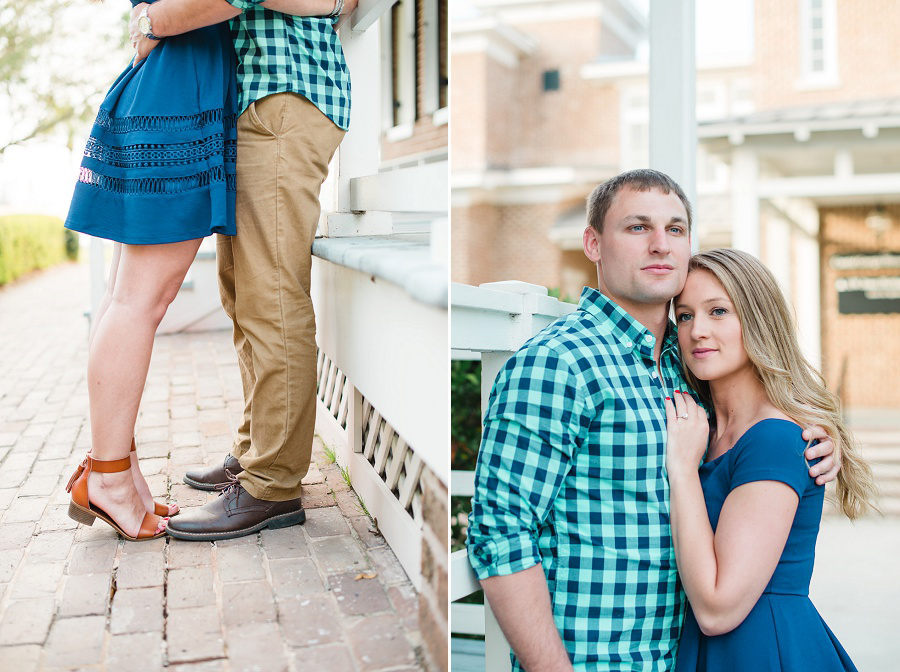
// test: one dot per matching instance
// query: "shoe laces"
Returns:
(231, 486)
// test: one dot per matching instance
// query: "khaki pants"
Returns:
(284, 146)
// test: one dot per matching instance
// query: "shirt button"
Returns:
(655, 374)
(627, 344)
(648, 338)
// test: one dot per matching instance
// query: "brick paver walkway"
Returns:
(327, 595)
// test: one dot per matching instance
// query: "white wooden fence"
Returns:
(381, 309)
(489, 322)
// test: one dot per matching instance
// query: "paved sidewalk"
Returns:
(327, 595)
(856, 588)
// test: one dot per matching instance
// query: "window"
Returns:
(415, 65)
(398, 28)
(741, 97)
(443, 55)
(551, 80)
(818, 42)
(435, 49)
(710, 100)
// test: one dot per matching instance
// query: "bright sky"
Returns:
(39, 177)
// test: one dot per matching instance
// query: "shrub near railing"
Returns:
(32, 242)
(465, 437)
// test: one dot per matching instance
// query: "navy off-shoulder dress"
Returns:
(159, 166)
(783, 631)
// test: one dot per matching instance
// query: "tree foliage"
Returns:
(54, 64)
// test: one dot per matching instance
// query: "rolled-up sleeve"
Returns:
(532, 429)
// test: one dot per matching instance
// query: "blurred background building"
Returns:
(798, 157)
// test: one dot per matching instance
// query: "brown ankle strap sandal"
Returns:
(81, 510)
(161, 510)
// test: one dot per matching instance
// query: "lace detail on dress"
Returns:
(158, 185)
(164, 124)
(155, 155)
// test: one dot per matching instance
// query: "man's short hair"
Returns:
(642, 179)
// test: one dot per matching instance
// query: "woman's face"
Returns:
(709, 331)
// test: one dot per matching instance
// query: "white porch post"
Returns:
(673, 106)
(360, 151)
(496, 648)
(98, 276)
(807, 299)
(779, 253)
(745, 228)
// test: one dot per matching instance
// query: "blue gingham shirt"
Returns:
(571, 475)
(300, 54)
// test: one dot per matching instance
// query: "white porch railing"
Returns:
(381, 301)
(489, 322)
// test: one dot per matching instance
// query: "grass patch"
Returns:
(363, 508)
(346, 476)
(33, 242)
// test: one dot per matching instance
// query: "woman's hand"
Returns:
(688, 434)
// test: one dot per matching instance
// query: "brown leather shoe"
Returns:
(214, 478)
(235, 513)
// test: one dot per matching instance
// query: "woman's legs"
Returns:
(147, 281)
(139, 481)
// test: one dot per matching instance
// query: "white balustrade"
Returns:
(381, 300)
(489, 322)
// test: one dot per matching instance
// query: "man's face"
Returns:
(643, 252)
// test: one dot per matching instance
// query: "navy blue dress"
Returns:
(159, 166)
(783, 631)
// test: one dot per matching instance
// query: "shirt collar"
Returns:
(631, 334)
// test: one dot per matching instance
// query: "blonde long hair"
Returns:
(791, 383)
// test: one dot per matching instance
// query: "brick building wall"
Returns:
(495, 243)
(870, 344)
(473, 244)
(426, 136)
(468, 113)
(577, 124)
(503, 119)
(865, 47)
(434, 609)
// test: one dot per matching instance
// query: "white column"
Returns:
(745, 201)
(673, 105)
(807, 299)
(778, 255)
(496, 648)
(360, 151)
(98, 275)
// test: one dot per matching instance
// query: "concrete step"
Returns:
(885, 471)
(889, 507)
(880, 438)
(890, 488)
(881, 453)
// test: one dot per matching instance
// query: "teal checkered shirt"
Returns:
(278, 53)
(571, 475)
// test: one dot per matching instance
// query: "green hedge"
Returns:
(32, 242)
(465, 436)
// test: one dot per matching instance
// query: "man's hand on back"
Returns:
(827, 469)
